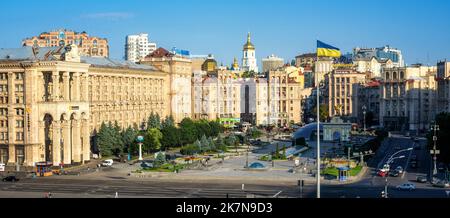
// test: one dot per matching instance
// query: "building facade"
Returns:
(382, 53)
(443, 86)
(272, 62)
(179, 69)
(343, 91)
(87, 45)
(138, 47)
(408, 98)
(57, 100)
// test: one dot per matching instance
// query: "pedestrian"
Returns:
(117, 195)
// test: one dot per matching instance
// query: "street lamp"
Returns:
(140, 140)
(434, 128)
(389, 161)
(364, 112)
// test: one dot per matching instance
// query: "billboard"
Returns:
(181, 52)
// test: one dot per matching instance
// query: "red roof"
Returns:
(373, 83)
(159, 53)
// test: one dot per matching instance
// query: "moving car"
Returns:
(107, 163)
(421, 179)
(399, 169)
(10, 179)
(382, 173)
(407, 186)
(441, 184)
(394, 173)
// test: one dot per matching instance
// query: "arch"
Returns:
(387, 75)
(394, 75)
(402, 75)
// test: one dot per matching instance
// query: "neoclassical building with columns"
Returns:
(52, 101)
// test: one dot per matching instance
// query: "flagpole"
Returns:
(318, 129)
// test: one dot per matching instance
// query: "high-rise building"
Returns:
(383, 53)
(87, 45)
(249, 62)
(272, 62)
(138, 47)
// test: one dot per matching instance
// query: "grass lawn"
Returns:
(165, 168)
(334, 171)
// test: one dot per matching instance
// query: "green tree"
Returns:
(152, 140)
(277, 152)
(212, 145)
(188, 131)
(203, 128)
(323, 112)
(198, 145)
(216, 128)
(104, 140)
(154, 121)
(205, 144)
(129, 140)
(171, 137)
(159, 160)
(168, 122)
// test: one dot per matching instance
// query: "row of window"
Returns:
(19, 136)
(19, 111)
(4, 76)
(20, 155)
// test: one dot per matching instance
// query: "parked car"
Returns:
(399, 169)
(10, 179)
(407, 186)
(421, 179)
(107, 163)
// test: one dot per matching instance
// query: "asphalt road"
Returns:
(369, 187)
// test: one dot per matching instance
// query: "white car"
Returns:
(407, 186)
(107, 163)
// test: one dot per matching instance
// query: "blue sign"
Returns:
(181, 52)
(140, 139)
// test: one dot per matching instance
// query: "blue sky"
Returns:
(282, 27)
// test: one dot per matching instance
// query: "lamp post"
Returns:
(364, 112)
(434, 128)
(388, 163)
(140, 140)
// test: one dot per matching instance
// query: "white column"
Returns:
(76, 141)
(56, 91)
(76, 86)
(56, 143)
(86, 140)
(67, 142)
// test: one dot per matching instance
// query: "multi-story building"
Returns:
(87, 45)
(272, 62)
(368, 64)
(382, 53)
(249, 61)
(343, 91)
(54, 101)
(285, 96)
(179, 68)
(369, 98)
(305, 60)
(443, 86)
(138, 47)
(322, 67)
(408, 100)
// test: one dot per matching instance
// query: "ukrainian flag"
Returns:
(325, 50)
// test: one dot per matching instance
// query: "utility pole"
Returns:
(364, 112)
